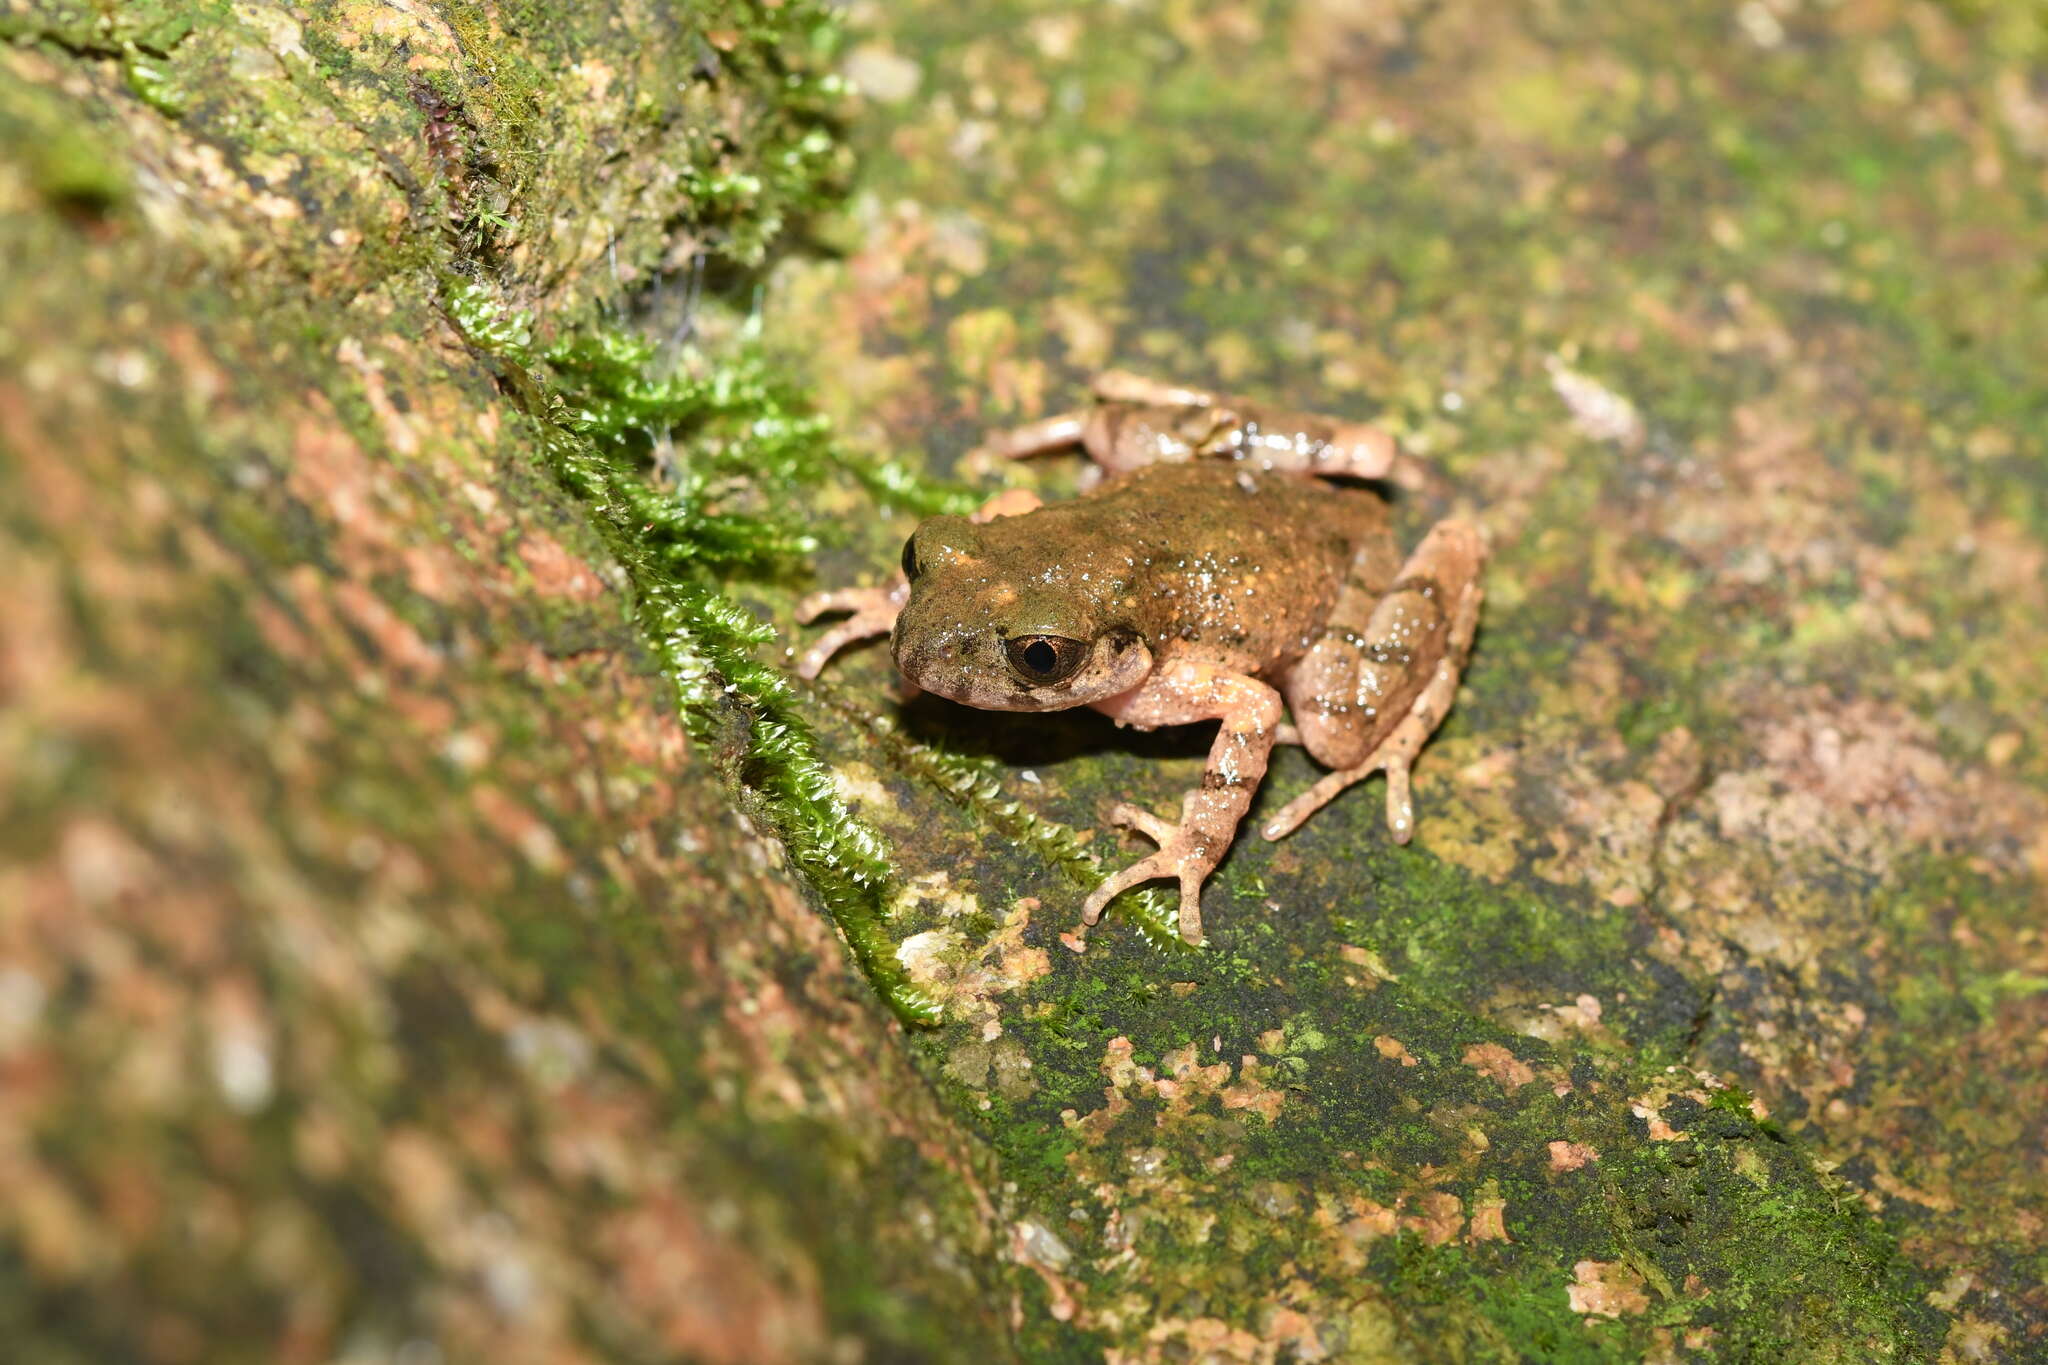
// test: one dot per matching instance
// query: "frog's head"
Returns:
(994, 626)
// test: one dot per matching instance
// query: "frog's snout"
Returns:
(924, 658)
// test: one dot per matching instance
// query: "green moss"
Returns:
(977, 785)
(695, 470)
(155, 84)
(691, 477)
(141, 37)
(70, 166)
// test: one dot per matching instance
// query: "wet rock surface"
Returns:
(1704, 1017)
(385, 968)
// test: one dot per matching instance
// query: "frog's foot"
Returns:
(873, 613)
(1395, 755)
(1186, 853)
(1356, 450)
(1011, 502)
(1411, 475)
(1121, 386)
(1038, 438)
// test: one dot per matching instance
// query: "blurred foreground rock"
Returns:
(382, 976)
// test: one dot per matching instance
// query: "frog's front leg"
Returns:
(1040, 437)
(874, 612)
(1180, 694)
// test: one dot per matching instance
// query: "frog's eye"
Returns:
(1044, 659)
(910, 557)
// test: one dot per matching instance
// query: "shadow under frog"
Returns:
(1213, 572)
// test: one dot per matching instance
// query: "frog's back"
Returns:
(1213, 557)
(1221, 506)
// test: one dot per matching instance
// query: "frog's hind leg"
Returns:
(1117, 437)
(1314, 445)
(1067, 431)
(1366, 701)
(1395, 755)
(1270, 438)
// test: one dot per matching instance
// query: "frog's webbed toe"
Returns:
(873, 611)
(1185, 855)
(1150, 869)
(1355, 449)
(1389, 759)
(1159, 830)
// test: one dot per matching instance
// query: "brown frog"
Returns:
(1211, 575)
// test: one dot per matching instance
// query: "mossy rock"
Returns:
(432, 918)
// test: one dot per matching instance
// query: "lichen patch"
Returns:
(1606, 1289)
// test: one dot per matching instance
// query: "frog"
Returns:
(1231, 562)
